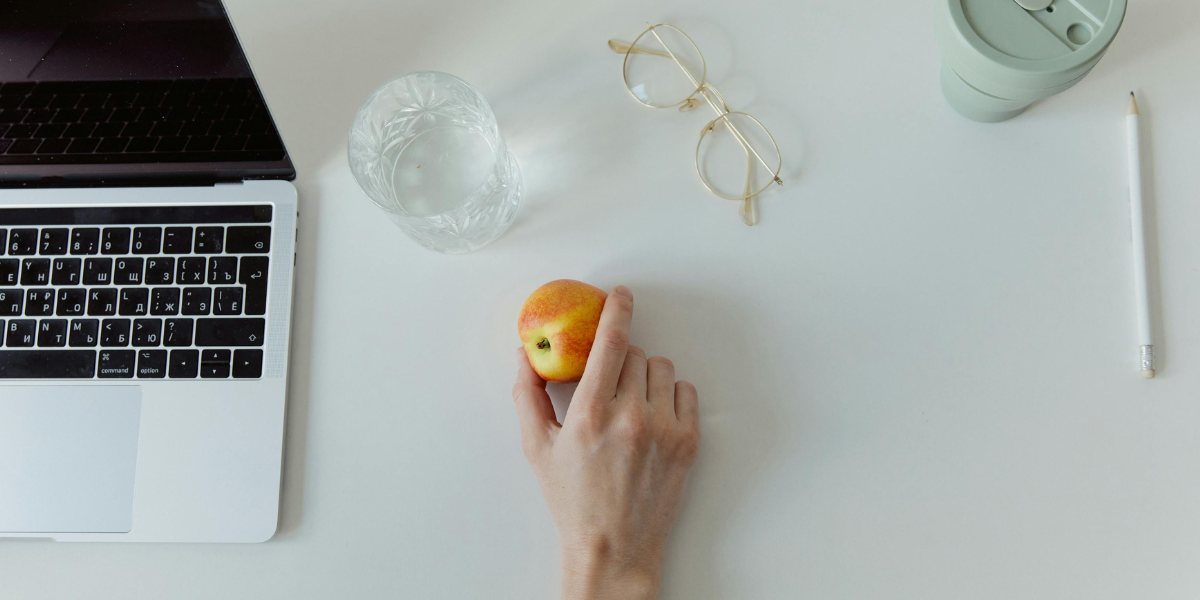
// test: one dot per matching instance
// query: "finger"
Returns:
(687, 404)
(660, 382)
(632, 385)
(603, 369)
(534, 409)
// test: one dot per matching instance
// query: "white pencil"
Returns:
(1141, 293)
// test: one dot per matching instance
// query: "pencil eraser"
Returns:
(1148, 374)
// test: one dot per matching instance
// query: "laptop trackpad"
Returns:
(67, 458)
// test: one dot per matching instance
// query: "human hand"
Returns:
(613, 472)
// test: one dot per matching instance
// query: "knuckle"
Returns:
(614, 340)
(631, 426)
(620, 302)
(637, 351)
(661, 360)
(589, 422)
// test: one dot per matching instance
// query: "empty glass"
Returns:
(426, 149)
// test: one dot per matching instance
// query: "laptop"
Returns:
(148, 225)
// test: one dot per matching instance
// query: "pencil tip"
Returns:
(1133, 107)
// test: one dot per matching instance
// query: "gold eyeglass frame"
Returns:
(747, 211)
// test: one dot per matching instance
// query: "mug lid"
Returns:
(1027, 44)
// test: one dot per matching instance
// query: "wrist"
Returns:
(598, 571)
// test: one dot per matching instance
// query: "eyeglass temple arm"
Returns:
(625, 48)
(701, 89)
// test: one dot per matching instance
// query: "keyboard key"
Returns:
(152, 364)
(248, 240)
(247, 364)
(201, 143)
(24, 147)
(110, 131)
(102, 302)
(227, 301)
(135, 302)
(83, 145)
(96, 115)
(35, 271)
(47, 364)
(54, 241)
(21, 131)
(230, 332)
(21, 333)
(164, 301)
(71, 302)
(22, 242)
(69, 115)
(160, 270)
(214, 364)
(79, 130)
(39, 303)
(54, 146)
(222, 270)
(147, 240)
(190, 270)
(196, 301)
(11, 303)
(253, 275)
(85, 240)
(52, 333)
(112, 145)
(177, 240)
(128, 271)
(209, 240)
(170, 144)
(66, 271)
(177, 332)
(185, 364)
(50, 130)
(10, 270)
(97, 271)
(140, 144)
(116, 364)
(115, 240)
(3, 231)
(83, 333)
(114, 332)
(147, 332)
(232, 143)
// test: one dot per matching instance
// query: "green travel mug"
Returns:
(1000, 56)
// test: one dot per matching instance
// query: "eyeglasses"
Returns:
(736, 157)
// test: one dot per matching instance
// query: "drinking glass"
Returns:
(426, 149)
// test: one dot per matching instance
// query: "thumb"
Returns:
(534, 409)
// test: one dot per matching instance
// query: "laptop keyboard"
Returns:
(174, 292)
(193, 120)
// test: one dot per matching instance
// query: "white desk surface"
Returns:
(917, 375)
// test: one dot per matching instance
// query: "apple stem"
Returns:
(544, 344)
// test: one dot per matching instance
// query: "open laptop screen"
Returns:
(96, 87)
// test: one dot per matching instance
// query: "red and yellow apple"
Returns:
(557, 326)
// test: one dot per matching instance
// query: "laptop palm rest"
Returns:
(67, 458)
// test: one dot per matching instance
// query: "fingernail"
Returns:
(623, 291)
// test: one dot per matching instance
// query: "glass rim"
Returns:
(710, 127)
(633, 44)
